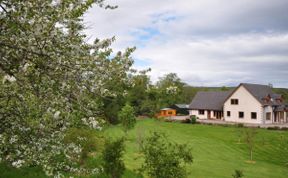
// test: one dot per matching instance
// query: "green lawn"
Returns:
(215, 150)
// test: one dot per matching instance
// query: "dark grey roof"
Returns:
(183, 106)
(209, 100)
(282, 107)
(262, 91)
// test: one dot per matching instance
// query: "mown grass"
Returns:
(216, 151)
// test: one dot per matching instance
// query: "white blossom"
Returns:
(8, 78)
(18, 163)
(172, 90)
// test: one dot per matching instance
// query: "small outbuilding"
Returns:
(167, 112)
(181, 109)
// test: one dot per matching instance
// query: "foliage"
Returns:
(52, 80)
(143, 96)
(164, 159)
(238, 174)
(127, 117)
(91, 142)
(137, 94)
(193, 119)
(170, 88)
(112, 157)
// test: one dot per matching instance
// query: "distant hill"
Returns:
(190, 92)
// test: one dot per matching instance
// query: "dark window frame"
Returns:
(201, 112)
(234, 101)
(241, 114)
(228, 113)
(253, 115)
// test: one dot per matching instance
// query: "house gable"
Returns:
(242, 110)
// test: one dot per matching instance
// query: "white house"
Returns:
(248, 103)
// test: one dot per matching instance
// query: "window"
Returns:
(228, 113)
(241, 115)
(170, 112)
(268, 116)
(253, 115)
(201, 112)
(234, 101)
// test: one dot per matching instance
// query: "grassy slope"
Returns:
(215, 149)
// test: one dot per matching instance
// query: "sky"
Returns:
(206, 42)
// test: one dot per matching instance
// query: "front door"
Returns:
(209, 114)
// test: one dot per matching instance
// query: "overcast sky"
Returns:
(206, 42)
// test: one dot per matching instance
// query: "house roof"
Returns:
(260, 92)
(283, 107)
(182, 106)
(209, 100)
(165, 109)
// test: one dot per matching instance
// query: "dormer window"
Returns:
(234, 101)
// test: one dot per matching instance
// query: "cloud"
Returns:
(207, 42)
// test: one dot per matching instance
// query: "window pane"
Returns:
(241, 114)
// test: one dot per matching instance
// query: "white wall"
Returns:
(247, 104)
(196, 113)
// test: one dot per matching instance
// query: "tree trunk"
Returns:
(251, 154)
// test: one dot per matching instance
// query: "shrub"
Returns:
(240, 125)
(127, 117)
(238, 174)
(163, 159)
(193, 119)
(274, 128)
(187, 120)
(112, 156)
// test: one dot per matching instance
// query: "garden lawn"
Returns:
(216, 149)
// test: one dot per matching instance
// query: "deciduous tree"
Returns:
(127, 117)
(52, 80)
(164, 159)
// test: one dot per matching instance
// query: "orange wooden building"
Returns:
(167, 112)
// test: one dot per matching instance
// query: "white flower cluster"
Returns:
(8, 78)
(92, 123)
(18, 163)
(172, 90)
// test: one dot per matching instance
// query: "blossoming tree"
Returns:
(52, 80)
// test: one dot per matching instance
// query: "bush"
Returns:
(112, 156)
(284, 128)
(160, 118)
(238, 174)
(163, 159)
(274, 128)
(127, 117)
(193, 119)
(240, 125)
(186, 121)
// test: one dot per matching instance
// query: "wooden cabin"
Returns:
(166, 112)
